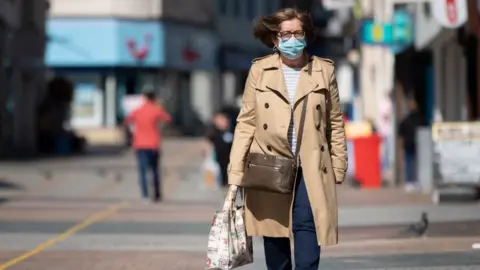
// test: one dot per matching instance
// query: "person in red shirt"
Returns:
(147, 140)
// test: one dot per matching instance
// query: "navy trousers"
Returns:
(307, 251)
(410, 167)
(148, 161)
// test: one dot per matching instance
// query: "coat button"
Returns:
(265, 126)
(318, 107)
(324, 169)
(266, 105)
(269, 148)
(322, 148)
(318, 126)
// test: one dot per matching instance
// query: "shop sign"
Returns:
(397, 34)
(450, 13)
(190, 54)
(456, 150)
(139, 51)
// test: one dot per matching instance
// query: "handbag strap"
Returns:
(302, 117)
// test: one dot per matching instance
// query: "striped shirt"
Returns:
(291, 76)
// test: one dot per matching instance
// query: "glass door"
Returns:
(87, 107)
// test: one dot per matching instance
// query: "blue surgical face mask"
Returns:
(292, 48)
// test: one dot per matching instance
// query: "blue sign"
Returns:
(104, 42)
(109, 42)
(376, 34)
(397, 34)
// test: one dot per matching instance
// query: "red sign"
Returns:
(452, 13)
(190, 55)
(449, 13)
(139, 53)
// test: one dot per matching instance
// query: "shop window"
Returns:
(269, 6)
(131, 86)
(251, 8)
(222, 7)
(237, 8)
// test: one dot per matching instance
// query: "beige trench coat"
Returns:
(262, 128)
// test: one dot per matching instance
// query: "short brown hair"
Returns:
(267, 27)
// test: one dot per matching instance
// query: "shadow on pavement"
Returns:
(90, 151)
(4, 184)
(3, 200)
(106, 150)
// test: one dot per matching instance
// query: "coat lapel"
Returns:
(274, 81)
(273, 77)
(306, 82)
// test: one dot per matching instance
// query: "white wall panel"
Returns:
(199, 11)
(106, 8)
(426, 27)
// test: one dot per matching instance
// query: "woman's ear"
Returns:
(275, 40)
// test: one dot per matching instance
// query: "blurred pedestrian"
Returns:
(53, 115)
(278, 89)
(408, 134)
(147, 141)
(385, 130)
(220, 135)
(231, 112)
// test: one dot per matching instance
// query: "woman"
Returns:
(275, 90)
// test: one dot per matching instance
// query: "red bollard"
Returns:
(367, 161)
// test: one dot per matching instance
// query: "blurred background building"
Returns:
(112, 49)
(22, 80)
(196, 53)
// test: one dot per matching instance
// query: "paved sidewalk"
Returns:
(105, 179)
(150, 260)
(105, 176)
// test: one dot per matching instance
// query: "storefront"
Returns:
(110, 60)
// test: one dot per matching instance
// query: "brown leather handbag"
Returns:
(271, 173)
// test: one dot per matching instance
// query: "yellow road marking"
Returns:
(80, 226)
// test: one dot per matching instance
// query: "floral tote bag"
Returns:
(229, 246)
